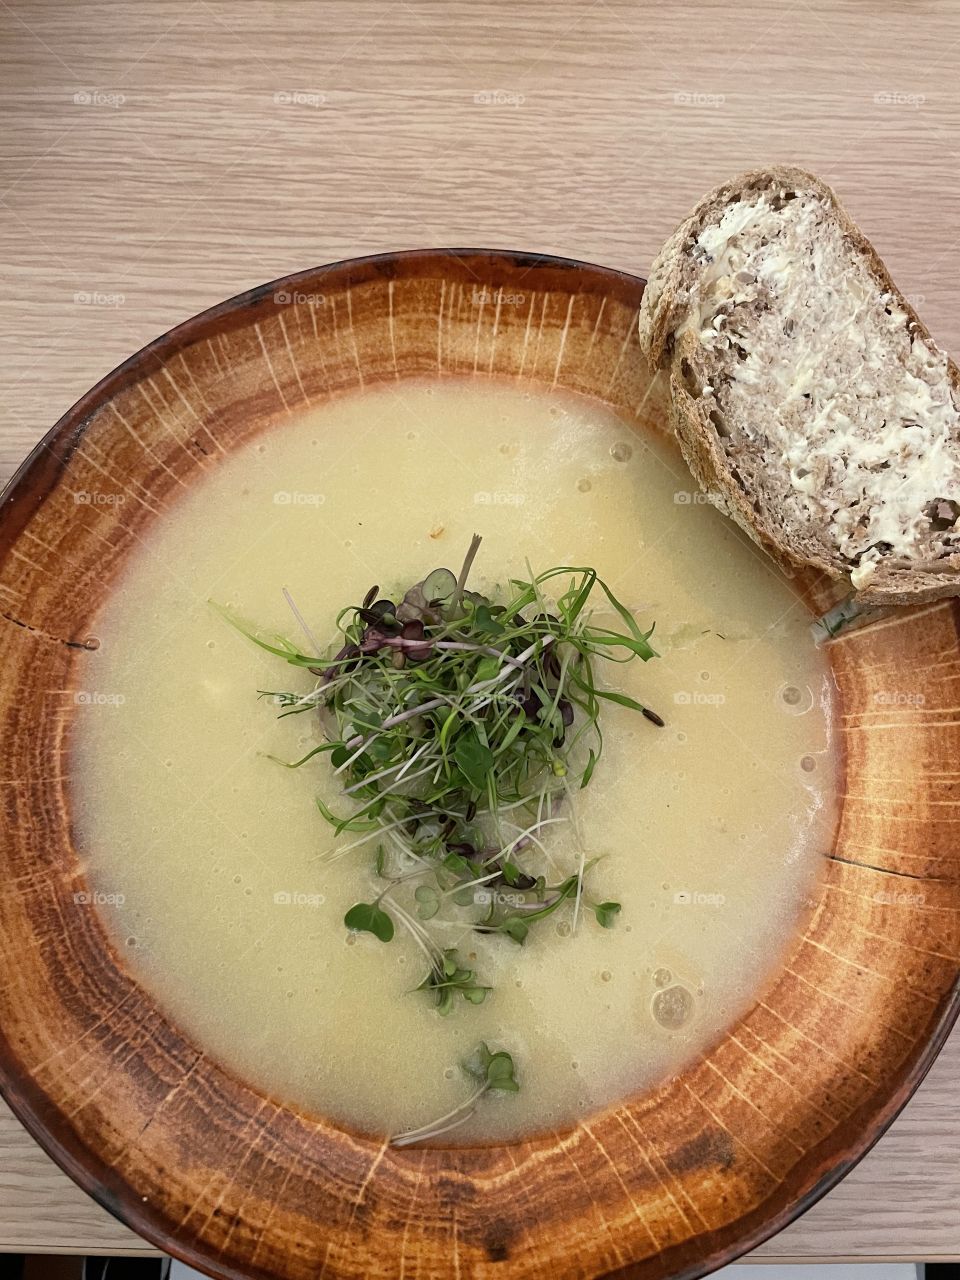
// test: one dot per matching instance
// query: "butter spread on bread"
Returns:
(809, 400)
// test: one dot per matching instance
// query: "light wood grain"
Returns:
(184, 178)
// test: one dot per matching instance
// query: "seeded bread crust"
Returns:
(747, 484)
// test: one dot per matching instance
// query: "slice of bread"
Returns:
(809, 400)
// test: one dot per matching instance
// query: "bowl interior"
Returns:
(670, 1183)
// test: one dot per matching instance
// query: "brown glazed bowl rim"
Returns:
(82, 1164)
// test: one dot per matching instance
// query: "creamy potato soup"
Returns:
(213, 865)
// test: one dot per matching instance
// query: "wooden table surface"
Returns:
(160, 155)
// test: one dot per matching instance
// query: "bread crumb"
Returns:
(437, 531)
(862, 574)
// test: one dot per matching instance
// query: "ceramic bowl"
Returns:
(671, 1183)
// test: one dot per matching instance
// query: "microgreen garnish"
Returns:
(516, 922)
(492, 1071)
(428, 901)
(448, 979)
(369, 917)
(606, 913)
(461, 727)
